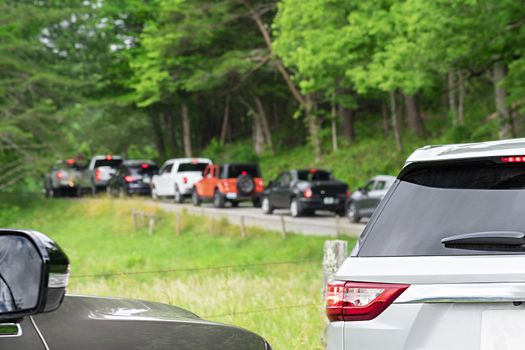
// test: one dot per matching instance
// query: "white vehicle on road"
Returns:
(176, 178)
(441, 263)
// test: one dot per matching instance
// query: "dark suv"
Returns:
(132, 177)
(304, 191)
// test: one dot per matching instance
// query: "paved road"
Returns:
(323, 223)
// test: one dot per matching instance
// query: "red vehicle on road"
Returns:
(229, 183)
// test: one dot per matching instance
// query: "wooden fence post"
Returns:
(178, 223)
(283, 225)
(335, 253)
(243, 228)
(134, 218)
(151, 224)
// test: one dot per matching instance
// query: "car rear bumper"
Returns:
(139, 189)
(318, 204)
(237, 197)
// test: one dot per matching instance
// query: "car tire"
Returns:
(353, 213)
(177, 196)
(235, 204)
(266, 206)
(256, 202)
(218, 199)
(195, 198)
(296, 209)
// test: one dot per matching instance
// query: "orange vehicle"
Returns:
(229, 183)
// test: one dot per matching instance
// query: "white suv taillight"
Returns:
(359, 301)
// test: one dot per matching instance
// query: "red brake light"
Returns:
(308, 193)
(109, 157)
(313, 171)
(128, 178)
(70, 161)
(185, 179)
(515, 159)
(59, 175)
(359, 301)
(348, 193)
(194, 161)
(97, 174)
(144, 166)
(244, 172)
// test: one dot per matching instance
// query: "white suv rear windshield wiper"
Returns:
(493, 240)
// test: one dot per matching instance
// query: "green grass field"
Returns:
(281, 302)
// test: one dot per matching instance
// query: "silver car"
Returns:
(363, 202)
(440, 264)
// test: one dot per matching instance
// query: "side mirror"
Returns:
(270, 184)
(34, 272)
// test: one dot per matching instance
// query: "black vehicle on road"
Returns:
(35, 313)
(304, 192)
(132, 177)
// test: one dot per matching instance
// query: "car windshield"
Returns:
(236, 170)
(432, 204)
(187, 167)
(314, 175)
(112, 163)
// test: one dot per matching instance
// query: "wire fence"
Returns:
(269, 309)
(197, 269)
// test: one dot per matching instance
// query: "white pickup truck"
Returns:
(177, 177)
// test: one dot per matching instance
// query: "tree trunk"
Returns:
(396, 124)
(280, 67)
(258, 135)
(461, 98)
(334, 126)
(347, 118)
(452, 98)
(415, 122)
(386, 128)
(225, 120)
(263, 119)
(186, 131)
(313, 126)
(499, 72)
(157, 131)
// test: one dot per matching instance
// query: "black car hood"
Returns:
(93, 323)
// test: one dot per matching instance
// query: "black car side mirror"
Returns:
(34, 272)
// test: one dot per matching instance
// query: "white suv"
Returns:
(441, 264)
(177, 176)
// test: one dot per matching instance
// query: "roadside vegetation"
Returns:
(218, 276)
(355, 86)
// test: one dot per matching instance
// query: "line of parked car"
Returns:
(302, 191)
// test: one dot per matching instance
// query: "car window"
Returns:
(432, 204)
(143, 170)
(166, 168)
(185, 167)
(285, 180)
(369, 186)
(380, 185)
(112, 163)
(314, 175)
(236, 170)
